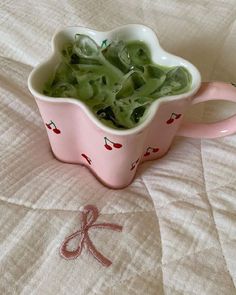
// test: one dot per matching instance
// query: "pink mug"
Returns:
(77, 136)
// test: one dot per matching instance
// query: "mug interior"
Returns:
(126, 33)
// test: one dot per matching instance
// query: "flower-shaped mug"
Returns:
(77, 136)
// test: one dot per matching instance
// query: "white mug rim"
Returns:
(196, 78)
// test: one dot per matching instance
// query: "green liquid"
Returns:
(117, 82)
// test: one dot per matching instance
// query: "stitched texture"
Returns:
(178, 216)
(89, 216)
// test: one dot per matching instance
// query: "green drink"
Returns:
(117, 82)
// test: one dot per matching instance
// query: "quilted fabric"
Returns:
(179, 214)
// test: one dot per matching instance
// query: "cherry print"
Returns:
(173, 117)
(155, 150)
(149, 150)
(170, 121)
(109, 144)
(108, 147)
(55, 129)
(177, 116)
(117, 145)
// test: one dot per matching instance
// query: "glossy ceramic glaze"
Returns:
(77, 136)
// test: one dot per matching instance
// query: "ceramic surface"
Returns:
(77, 136)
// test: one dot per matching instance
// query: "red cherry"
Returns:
(108, 147)
(178, 116)
(170, 121)
(57, 131)
(155, 150)
(117, 145)
(146, 154)
(48, 125)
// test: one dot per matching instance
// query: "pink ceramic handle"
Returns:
(212, 91)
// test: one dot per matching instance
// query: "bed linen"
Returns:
(178, 215)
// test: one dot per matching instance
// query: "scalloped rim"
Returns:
(196, 78)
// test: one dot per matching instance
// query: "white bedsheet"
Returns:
(179, 214)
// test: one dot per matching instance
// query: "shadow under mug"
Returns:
(77, 136)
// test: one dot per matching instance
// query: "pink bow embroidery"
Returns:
(88, 217)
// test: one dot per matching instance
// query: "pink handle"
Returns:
(212, 91)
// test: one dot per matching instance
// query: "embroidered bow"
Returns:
(88, 217)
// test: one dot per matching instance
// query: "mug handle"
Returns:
(211, 91)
